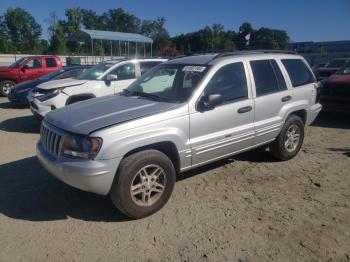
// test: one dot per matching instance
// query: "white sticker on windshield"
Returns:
(194, 68)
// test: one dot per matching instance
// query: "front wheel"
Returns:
(143, 183)
(289, 141)
(6, 86)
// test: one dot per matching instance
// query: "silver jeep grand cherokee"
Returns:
(182, 114)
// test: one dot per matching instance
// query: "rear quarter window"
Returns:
(298, 72)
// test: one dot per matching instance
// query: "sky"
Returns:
(304, 20)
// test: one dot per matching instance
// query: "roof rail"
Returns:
(247, 52)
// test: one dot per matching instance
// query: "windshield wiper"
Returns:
(142, 94)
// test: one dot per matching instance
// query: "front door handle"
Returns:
(244, 109)
(286, 98)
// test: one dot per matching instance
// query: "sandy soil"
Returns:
(246, 208)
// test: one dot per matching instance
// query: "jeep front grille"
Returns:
(50, 140)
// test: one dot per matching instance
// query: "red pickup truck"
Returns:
(26, 68)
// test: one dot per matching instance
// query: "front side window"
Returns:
(34, 63)
(298, 72)
(95, 72)
(264, 77)
(50, 62)
(230, 82)
(173, 83)
(124, 72)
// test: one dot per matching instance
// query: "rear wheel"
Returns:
(6, 86)
(289, 141)
(143, 184)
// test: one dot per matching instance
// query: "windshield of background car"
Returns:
(51, 75)
(336, 63)
(95, 72)
(173, 83)
(18, 62)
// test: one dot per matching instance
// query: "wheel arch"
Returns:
(166, 147)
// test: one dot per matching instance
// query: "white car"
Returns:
(106, 78)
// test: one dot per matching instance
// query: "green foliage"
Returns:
(58, 43)
(22, 30)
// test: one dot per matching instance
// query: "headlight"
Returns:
(49, 95)
(81, 147)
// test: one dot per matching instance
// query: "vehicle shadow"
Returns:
(332, 120)
(23, 124)
(29, 192)
(344, 151)
(8, 105)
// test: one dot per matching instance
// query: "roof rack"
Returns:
(247, 52)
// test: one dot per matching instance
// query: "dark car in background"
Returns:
(335, 93)
(18, 94)
(330, 68)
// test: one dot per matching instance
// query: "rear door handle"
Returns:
(244, 109)
(286, 98)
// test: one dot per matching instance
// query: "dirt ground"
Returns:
(246, 208)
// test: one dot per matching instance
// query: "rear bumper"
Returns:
(313, 112)
(89, 175)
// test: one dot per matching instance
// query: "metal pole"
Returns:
(103, 52)
(136, 50)
(125, 48)
(151, 49)
(111, 49)
(128, 49)
(120, 50)
(92, 49)
(144, 50)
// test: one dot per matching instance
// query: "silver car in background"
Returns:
(182, 114)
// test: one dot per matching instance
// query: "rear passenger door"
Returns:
(229, 127)
(271, 96)
(302, 80)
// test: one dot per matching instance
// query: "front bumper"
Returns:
(313, 112)
(89, 175)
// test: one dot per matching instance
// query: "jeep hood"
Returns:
(90, 115)
(67, 82)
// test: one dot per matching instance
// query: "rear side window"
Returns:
(264, 76)
(145, 66)
(230, 82)
(50, 62)
(298, 72)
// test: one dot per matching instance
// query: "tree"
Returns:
(155, 29)
(120, 21)
(22, 29)
(74, 20)
(58, 43)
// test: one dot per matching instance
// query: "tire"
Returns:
(5, 87)
(144, 201)
(283, 148)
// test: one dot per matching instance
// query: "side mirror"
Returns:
(111, 77)
(209, 102)
(24, 68)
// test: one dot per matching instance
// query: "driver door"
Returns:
(126, 74)
(229, 127)
(32, 69)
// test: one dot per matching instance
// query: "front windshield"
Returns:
(173, 83)
(95, 72)
(51, 75)
(18, 62)
(336, 63)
